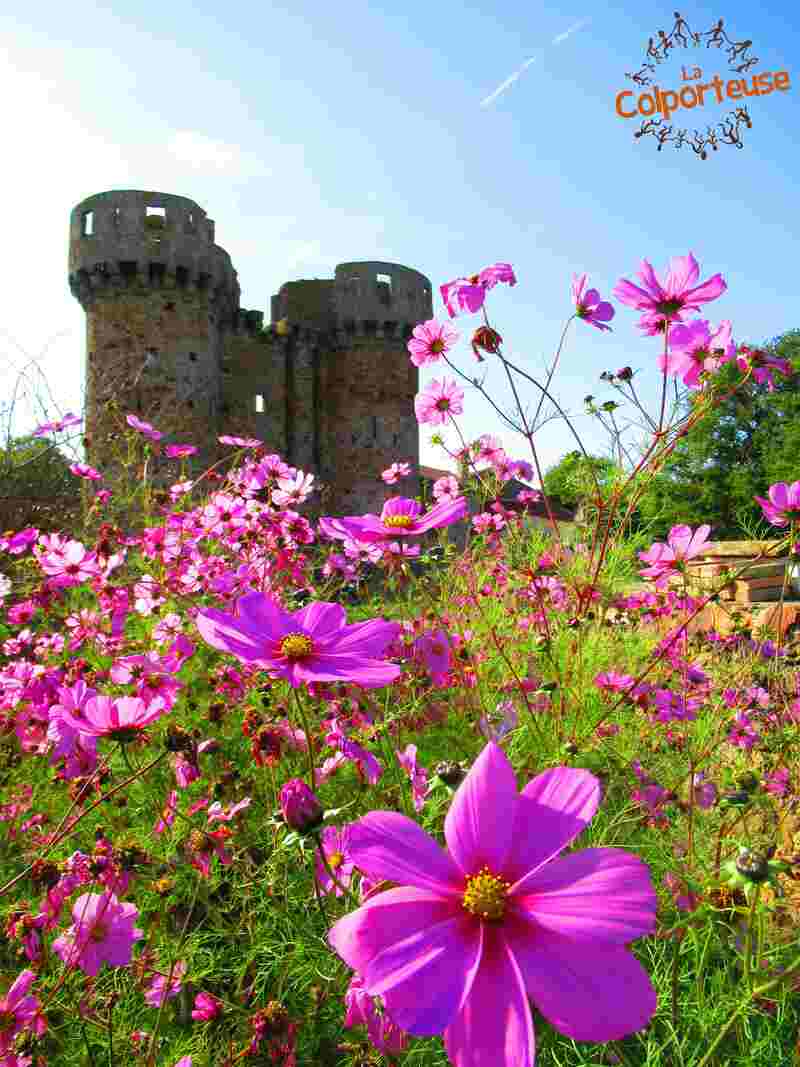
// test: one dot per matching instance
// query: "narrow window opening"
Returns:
(181, 277)
(161, 211)
(193, 357)
(116, 218)
(259, 406)
(384, 278)
(128, 268)
(374, 428)
(88, 224)
(157, 271)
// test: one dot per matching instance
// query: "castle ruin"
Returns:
(328, 385)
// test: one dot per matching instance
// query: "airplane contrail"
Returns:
(558, 39)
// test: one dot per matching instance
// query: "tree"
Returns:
(746, 443)
(571, 480)
(32, 467)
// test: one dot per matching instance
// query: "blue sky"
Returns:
(320, 133)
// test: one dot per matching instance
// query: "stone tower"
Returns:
(331, 391)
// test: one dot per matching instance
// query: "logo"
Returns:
(701, 92)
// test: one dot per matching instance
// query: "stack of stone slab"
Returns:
(762, 583)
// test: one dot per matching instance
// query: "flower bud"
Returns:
(485, 339)
(301, 809)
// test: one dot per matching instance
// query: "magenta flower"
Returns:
(119, 719)
(335, 845)
(696, 349)
(783, 505)
(439, 400)
(670, 300)
(764, 365)
(300, 808)
(446, 488)
(160, 990)
(83, 470)
(498, 919)
(314, 644)
(393, 474)
(589, 306)
(103, 931)
(180, 451)
(55, 427)
(400, 517)
(240, 442)
(143, 427)
(468, 294)
(430, 340)
(682, 544)
(19, 1012)
(206, 1007)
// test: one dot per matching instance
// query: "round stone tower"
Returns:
(159, 295)
(368, 383)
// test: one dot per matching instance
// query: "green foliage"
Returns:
(571, 479)
(745, 444)
(32, 467)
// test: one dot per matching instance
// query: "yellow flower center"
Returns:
(437, 345)
(485, 895)
(296, 646)
(404, 521)
(335, 860)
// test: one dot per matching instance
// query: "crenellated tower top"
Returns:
(129, 236)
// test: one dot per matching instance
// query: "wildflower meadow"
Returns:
(344, 790)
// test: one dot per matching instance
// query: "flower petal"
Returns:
(321, 620)
(479, 824)
(347, 666)
(495, 1025)
(553, 808)
(588, 992)
(264, 615)
(598, 894)
(385, 844)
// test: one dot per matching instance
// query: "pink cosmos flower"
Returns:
(293, 490)
(206, 1008)
(240, 442)
(764, 365)
(180, 451)
(670, 300)
(393, 474)
(55, 427)
(19, 1012)
(430, 340)
(468, 294)
(696, 349)
(160, 991)
(400, 517)
(417, 775)
(335, 845)
(83, 470)
(312, 644)
(682, 544)
(143, 427)
(434, 650)
(783, 505)
(498, 919)
(103, 931)
(446, 489)
(589, 306)
(299, 805)
(184, 1061)
(119, 719)
(439, 400)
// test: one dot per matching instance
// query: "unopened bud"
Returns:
(301, 809)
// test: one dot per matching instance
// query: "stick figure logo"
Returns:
(662, 47)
